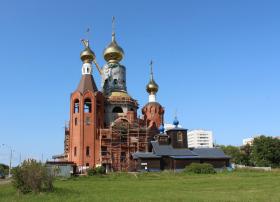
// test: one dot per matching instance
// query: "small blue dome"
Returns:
(176, 122)
(161, 129)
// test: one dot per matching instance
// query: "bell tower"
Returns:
(153, 111)
(86, 115)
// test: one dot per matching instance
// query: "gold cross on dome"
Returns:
(86, 41)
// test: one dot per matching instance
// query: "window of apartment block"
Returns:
(75, 151)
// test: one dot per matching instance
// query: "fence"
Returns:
(250, 167)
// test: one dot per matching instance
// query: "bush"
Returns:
(91, 172)
(200, 168)
(100, 170)
(97, 170)
(32, 176)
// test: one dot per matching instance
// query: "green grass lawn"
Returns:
(235, 186)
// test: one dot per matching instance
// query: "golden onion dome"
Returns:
(87, 55)
(113, 52)
(152, 87)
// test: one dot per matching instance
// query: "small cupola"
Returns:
(161, 129)
(175, 122)
(87, 55)
(152, 87)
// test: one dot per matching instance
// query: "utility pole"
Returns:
(11, 156)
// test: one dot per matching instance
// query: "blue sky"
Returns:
(216, 62)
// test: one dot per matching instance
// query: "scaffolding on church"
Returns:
(120, 141)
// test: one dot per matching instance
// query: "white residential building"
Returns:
(168, 126)
(200, 139)
(248, 141)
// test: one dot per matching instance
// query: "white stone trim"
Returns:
(152, 98)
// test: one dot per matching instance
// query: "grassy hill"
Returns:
(235, 186)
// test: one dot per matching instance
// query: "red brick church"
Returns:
(104, 128)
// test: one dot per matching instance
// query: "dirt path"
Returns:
(6, 181)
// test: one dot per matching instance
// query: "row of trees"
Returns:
(265, 151)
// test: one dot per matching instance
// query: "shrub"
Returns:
(100, 170)
(32, 176)
(200, 168)
(91, 171)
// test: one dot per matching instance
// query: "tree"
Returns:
(266, 151)
(4, 169)
(234, 152)
(246, 151)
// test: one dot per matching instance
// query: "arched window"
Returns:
(87, 121)
(87, 150)
(75, 151)
(76, 106)
(115, 81)
(179, 136)
(87, 105)
(117, 110)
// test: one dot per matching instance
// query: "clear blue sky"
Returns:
(217, 63)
